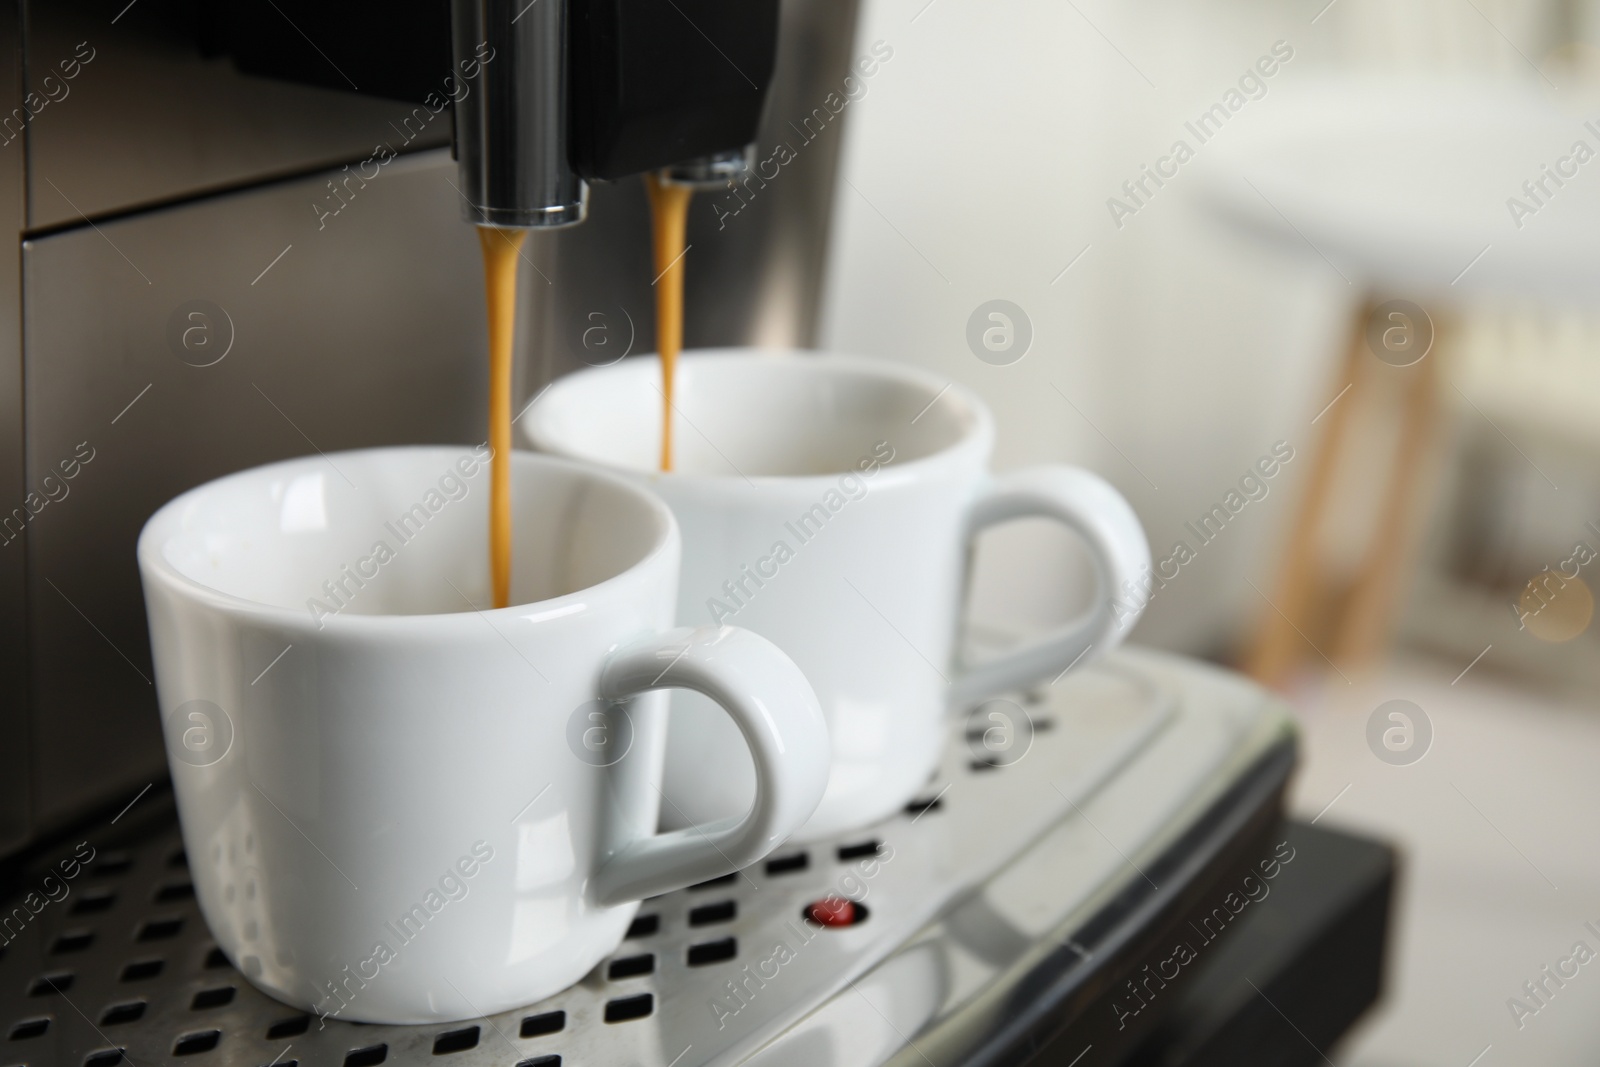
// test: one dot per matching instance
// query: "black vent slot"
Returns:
(168, 894)
(141, 969)
(159, 929)
(48, 984)
(713, 951)
(455, 1041)
(94, 901)
(631, 966)
(788, 864)
(550, 1022)
(29, 1028)
(197, 1042)
(212, 998)
(720, 912)
(127, 1012)
(72, 941)
(624, 1008)
(857, 851)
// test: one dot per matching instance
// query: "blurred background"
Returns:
(1425, 542)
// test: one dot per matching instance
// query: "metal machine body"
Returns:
(215, 269)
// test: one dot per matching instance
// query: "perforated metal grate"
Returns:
(122, 968)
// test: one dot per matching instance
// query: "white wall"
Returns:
(979, 165)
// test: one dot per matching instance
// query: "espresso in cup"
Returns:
(401, 805)
(829, 504)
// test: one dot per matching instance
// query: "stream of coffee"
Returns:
(669, 214)
(669, 217)
(500, 251)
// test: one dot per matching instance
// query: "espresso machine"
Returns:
(244, 232)
(150, 199)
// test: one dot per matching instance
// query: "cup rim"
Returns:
(979, 433)
(154, 566)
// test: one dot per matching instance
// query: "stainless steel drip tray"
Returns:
(1046, 818)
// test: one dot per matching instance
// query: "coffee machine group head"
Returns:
(575, 91)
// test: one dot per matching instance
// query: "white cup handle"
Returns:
(1103, 518)
(773, 705)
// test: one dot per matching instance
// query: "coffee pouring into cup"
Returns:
(403, 728)
(581, 93)
(431, 706)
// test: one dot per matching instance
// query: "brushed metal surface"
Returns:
(366, 332)
(757, 277)
(961, 895)
(15, 771)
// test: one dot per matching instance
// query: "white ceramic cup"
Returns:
(400, 807)
(830, 503)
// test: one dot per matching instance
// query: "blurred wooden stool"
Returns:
(1426, 188)
(1346, 613)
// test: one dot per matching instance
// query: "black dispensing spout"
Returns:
(594, 90)
(547, 94)
(670, 85)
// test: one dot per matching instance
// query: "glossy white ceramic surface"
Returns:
(401, 807)
(829, 503)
